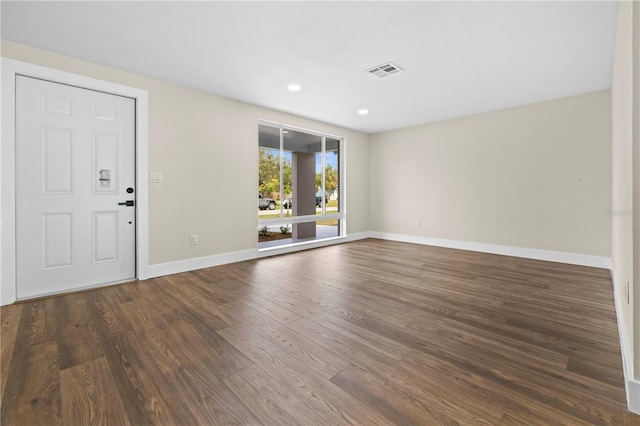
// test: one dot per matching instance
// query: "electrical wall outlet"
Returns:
(156, 177)
(194, 239)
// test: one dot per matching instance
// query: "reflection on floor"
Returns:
(322, 232)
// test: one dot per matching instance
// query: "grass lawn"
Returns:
(331, 203)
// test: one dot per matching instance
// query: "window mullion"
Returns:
(323, 193)
(281, 169)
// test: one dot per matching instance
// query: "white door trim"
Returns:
(12, 67)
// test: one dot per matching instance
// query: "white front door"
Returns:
(75, 167)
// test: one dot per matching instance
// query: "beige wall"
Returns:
(536, 176)
(625, 199)
(206, 148)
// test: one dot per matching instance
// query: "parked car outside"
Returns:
(266, 203)
(288, 202)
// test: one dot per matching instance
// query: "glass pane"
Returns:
(319, 188)
(268, 172)
(332, 175)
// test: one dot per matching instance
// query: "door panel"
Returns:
(57, 240)
(105, 236)
(75, 158)
(57, 161)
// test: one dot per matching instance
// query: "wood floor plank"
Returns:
(164, 291)
(502, 346)
(521, 420)
(103, 310)
(89, 396)
(441, 378)
(152, 330)
(350, 347)
(193, 289)
(490, 322)
(10, 321)
(189, 333)
(269, 400)
(631, 419)
(330, 402)
(222, 358)
(388, 400)
(270, 309)
(407, 384)
(490, 363)
(375, 341)
(196, 329)
(233, 282)
(144, 402)
(32, 395)
(315, 356)
(42, 321)
(516, 399)
(76, 335)
(208, 398)
(350, 304)
(496, 355)
(366, 332)
(605, 367)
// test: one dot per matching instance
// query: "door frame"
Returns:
(9, 69)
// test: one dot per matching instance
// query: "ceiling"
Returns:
(460, 58)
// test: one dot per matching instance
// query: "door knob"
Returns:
(128, 203)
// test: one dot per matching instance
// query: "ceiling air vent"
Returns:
(385, 70)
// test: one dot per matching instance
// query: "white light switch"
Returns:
(156, 177)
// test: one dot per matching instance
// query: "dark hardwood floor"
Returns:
(370, 332)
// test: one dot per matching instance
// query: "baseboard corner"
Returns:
(633, 396)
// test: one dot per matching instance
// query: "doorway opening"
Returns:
(75, 166)
(11, 70)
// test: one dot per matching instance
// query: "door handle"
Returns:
(128, 203)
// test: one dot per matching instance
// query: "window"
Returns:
(300, 189)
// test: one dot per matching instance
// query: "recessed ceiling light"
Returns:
(363, 111)
(294, 87)
(285, 131)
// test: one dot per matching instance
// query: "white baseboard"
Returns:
(631, 385)
(633, 396)
(359, 236)
(529, 253)
(176, 267)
